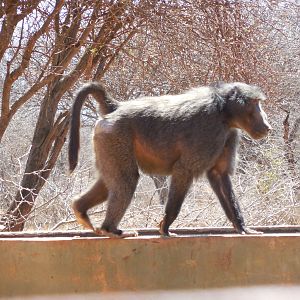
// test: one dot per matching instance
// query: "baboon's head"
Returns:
(244, 110)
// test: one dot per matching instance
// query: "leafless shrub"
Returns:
(158, 48)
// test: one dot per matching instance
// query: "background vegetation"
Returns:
(49, 48)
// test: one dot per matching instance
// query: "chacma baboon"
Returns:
(182, 136)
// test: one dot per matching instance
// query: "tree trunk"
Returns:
(48, 139)
(49, 135)
(3, 125)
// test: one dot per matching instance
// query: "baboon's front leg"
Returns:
(221, 184)
(179, 187)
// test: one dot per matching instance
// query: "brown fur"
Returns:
(183, 136)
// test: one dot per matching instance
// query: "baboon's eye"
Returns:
(254, 106)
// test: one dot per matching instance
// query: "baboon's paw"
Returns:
(168, 234)
(164, 232)
(116, 234)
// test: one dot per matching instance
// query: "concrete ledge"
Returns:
(83, 263)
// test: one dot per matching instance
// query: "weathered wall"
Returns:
(78, 265)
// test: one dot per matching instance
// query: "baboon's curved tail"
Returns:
(106, 106)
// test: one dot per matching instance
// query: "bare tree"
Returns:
(146, 47)
(100, 29)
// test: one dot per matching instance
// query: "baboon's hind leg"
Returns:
(96, 194)
(115, 158)
(120, 196)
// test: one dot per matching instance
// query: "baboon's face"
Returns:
(252, 119)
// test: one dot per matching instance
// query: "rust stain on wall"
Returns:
(31, 266)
